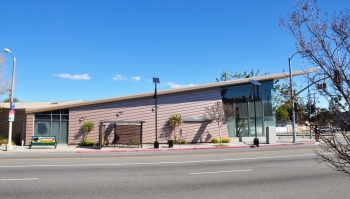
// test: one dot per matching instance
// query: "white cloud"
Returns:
(73, 77)
(119, 78)
(136, 78)
(173, 85)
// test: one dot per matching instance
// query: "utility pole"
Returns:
(309, 102)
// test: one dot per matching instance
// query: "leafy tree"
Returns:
(282, 112)
(87, 127)
(8, 100)
(174, 122)
(324, 41)
(226, 76)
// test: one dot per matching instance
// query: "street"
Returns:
(271, 172)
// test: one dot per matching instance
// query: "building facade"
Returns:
(252, 105)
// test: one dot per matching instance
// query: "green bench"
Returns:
(43, 141)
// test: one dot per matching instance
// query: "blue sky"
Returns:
(87, 50)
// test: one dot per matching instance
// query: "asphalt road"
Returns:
(276, 172)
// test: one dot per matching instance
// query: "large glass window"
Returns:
(253, 107)
(52, 123)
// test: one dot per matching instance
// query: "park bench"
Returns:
(43, 141)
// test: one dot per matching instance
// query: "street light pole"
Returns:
(291, 94)
(9, 146)
(156, 81)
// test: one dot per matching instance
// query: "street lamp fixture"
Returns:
(255, 83)
(11, 118)
(292, 94)
(156, 81)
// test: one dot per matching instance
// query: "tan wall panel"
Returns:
(29, 128)
(186, 104)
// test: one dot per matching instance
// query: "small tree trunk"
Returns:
(220, 137)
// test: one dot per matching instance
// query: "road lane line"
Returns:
(214, 172)
(155, 163)
(19, 179)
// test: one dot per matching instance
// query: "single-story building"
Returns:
(64, 119)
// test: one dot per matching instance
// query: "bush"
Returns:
(215, 140)
(225, 140)
(178, 142)
(4, 140)
(87, 143)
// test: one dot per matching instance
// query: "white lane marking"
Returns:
(19, 179)
(213, 172)
(154, 163)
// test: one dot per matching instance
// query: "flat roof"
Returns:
(171, 91)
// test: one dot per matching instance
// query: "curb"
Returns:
(82, 151)
(195, 148)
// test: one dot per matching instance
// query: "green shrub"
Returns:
(4, 140)
(87, 143)
(225, 140)
(215, 140)
(178, 142)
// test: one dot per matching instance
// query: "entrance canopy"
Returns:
(115, 122)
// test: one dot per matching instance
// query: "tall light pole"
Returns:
(156, 81)
(9, 146)
(291, 93)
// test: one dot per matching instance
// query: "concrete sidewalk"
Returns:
(246, 143)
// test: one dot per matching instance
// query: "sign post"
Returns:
(11, 115)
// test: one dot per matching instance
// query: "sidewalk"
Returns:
(246, 143)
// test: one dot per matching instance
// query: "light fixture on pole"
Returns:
(292, 94)
(11, 118)
(156, 81)
(255, 83)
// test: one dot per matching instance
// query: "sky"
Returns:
(89, 50)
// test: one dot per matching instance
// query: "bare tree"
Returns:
(220, 113)
(4, 84)
(324, 41)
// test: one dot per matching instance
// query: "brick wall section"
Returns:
(190, 103)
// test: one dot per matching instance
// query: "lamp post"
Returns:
(255, 83)
(291, 93)
(156, 81)
(9, 146)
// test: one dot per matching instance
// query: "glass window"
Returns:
(56, 117)
(55, 124)
(56, 112)
(64, 111)
(42, 117)
(44, 113)
(247, 104)
(42, 128)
